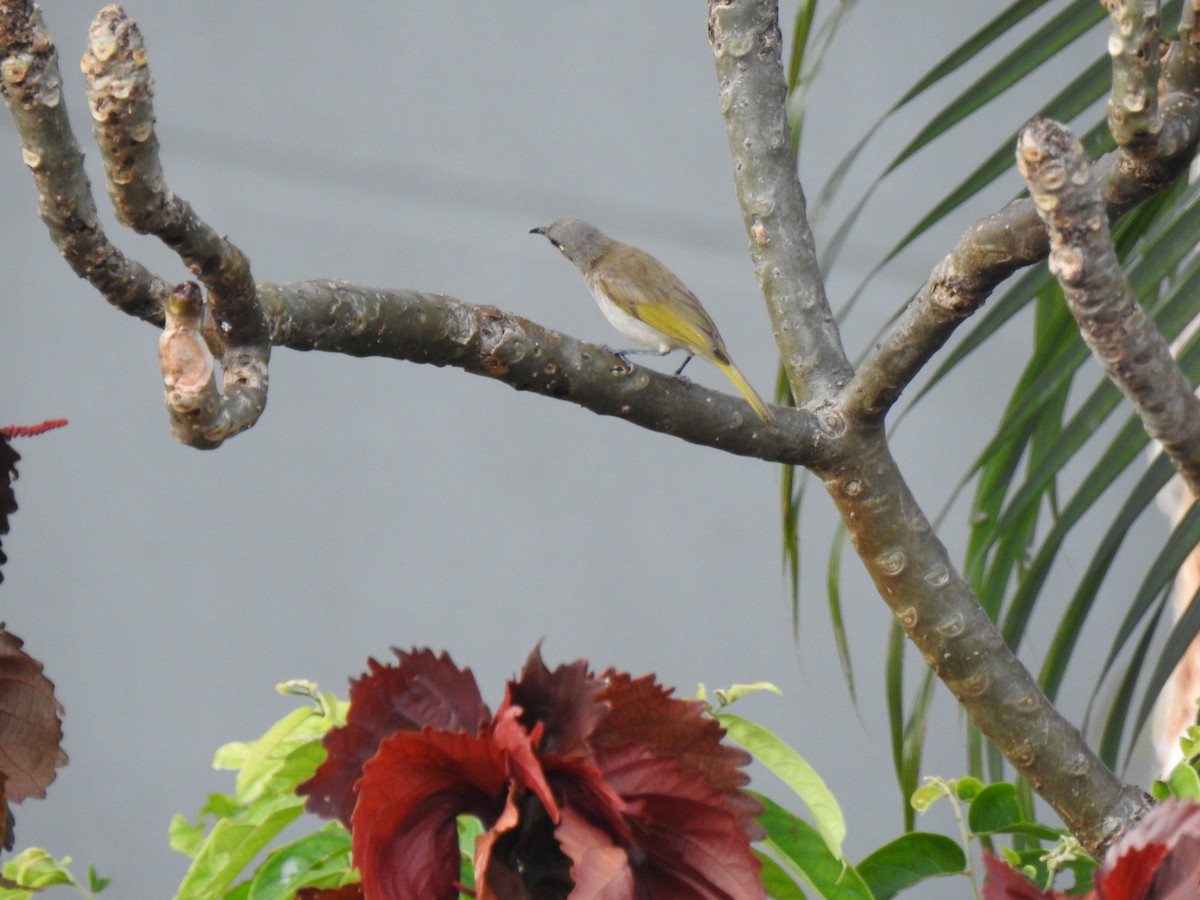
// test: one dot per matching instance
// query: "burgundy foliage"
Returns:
(8, 470)
(8, 498)
(30, 727)
(1157, 859)
(349, 892)
(592, 788)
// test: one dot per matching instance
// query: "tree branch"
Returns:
(119, 92)
(1133, 115)
(437, 329)
(240, 320)
(32, 88)
(1122, 337)
(937, 609)
(1014, 237)
(746, 44)
(910, 566)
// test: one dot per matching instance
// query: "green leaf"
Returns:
(1184, 783)
(233, 843)
(968, 788)
(37, 869)
(1190, 743)
(994, 809)
(1032, 863)
(804, 851)
(907, 730)
(1118, 715)
(1156, 583)
(1039, 47)
(1180, 638)
(980, 41)
(997, 810)
(833, 593)
(284, 752)
(925, 796)
(184, 837)
(778, 883)
(321, 859)
(807, 58)
(1088, 588)
(735, 692)
(769, 749)
(910, 859)
(95, 883)
(469, 830)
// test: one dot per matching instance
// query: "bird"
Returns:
(646, 302)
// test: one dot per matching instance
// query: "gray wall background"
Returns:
(380, 503)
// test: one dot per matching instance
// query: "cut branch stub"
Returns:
(202, 415)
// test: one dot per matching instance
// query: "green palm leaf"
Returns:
(1062, 416)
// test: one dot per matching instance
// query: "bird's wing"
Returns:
(655, 296)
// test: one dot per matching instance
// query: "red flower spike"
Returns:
(423, 690)
(643, 712)
(403, 832)
(13, 431)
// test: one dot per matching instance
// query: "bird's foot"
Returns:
(626, 366)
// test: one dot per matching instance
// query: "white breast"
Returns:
(634, 329)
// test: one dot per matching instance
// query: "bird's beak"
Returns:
(539, 230)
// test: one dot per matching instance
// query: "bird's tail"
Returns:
(740, 382)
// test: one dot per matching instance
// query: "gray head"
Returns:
(580, 242)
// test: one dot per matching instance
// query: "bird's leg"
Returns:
(623, 355)
(682, 365)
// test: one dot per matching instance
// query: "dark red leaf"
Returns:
(563, 702)
(494, 877)
(519, 747)
(30, 728)
(581, 785)
(8, 470)
(8, 497)
(519, 857)
(686, 843)
(644, 713)
(403, 832)
(1132, 875)
(1158, 858)
(1003, 882)
(347, 892)
(423, 690)
(601, 870)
